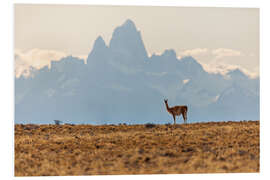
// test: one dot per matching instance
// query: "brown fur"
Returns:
(177, 111)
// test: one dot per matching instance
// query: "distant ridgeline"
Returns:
(121, 84)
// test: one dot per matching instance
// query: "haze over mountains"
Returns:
(121, 84)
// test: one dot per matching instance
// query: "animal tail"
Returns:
(186, 109)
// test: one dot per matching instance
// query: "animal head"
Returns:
(166, 100)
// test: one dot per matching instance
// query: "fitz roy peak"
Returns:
(128, 41)
(119, 83)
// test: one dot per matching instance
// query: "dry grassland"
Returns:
(215, 147)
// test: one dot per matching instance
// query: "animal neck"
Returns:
(167, 106)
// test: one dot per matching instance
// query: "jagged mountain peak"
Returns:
(123, 73)
(170, 53)
(234, 92)
(236, 73)
(126, 38)
(66, 63)
(99, 43)
(129, 24)
(189, 60)
(99, 49)
(192, 66)
(128, 28)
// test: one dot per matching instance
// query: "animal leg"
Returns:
(185, 117)
(174, 118)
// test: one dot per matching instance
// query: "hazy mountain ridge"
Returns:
(120, 83)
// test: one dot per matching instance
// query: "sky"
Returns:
(219, 38)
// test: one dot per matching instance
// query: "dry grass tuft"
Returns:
(214, 147)
(149, 125)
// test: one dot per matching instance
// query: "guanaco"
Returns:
(177, 111)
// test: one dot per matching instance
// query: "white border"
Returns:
(7, 88)
(196, 3)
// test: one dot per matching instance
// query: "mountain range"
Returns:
(121, 84)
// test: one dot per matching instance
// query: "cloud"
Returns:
(214, 53)
(223, 60)
(155, 54)
(194, 52)
(38, 58)
(223, 52)
(84, 57)
(222, 68)
(21, 67)
(213, 61)
(26, 61)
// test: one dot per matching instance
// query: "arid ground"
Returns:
(214, 147)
